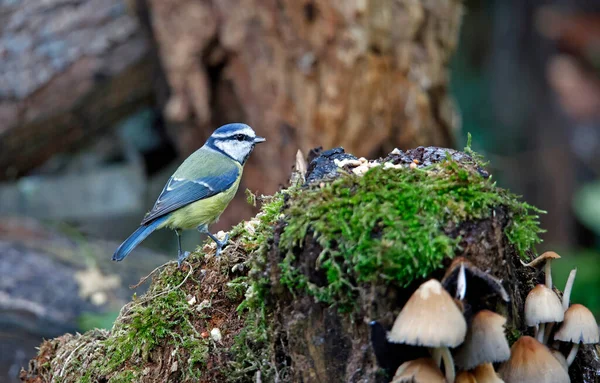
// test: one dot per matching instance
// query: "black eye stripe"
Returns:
(239, 137)
(236, 137)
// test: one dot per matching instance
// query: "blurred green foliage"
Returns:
(472, 87)
(90, 321)
(587, 205)
(587, 283)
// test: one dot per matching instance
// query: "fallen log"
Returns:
(69, 70)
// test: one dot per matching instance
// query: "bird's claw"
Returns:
(221, 244)
(182, 257)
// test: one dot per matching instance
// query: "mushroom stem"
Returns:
(572, 354)
(539, 335)
(568, 288)
(448, 364)
(461, 284)
(548, 272)
(547, 332)
(436, 355)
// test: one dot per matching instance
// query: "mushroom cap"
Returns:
(465, 377)
(485, 373)
(542, 306)
(423, 370)
(547, 256)
(477, 280)
(430, 318)
(579, 326)
(561, 358)
(485, 341)
(532, 362)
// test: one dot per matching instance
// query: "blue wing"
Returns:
(179, 192)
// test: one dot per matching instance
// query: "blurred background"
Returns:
(100, 100)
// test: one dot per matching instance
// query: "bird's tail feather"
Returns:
(136, 238)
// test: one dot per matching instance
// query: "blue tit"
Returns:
(199, 190)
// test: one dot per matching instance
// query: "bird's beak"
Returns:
(258, 140)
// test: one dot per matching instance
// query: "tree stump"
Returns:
(307, 289)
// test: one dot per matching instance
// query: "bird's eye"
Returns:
(239, 137)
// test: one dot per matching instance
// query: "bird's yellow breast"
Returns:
(204, 211)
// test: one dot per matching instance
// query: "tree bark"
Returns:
(69, 70)
(366, 75)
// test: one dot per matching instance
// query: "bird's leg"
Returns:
(220, 244)
(181, 256)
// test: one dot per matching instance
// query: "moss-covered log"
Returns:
(307, 289)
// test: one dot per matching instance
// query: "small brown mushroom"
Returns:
(547, 258)
(465, 377)
(485, 341)
(430, 318)
(542, 306)
(532, 362)
(561, 358)
(485, 373)
(423, 370)
(578, 327)
(565, 302)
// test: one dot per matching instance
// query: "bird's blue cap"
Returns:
(236, 128)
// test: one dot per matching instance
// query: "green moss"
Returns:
(87, 376)
(252, 351)
(127, 376)
(161, 321)
(166, 321)
(256, 241)
(512, 336)
(163, 318)
(252, 348)
(390, 225)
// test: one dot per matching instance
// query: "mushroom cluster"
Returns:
(482, 342)
(419, 324)
(544, 309)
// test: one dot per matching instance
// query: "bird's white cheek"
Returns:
(235, 149)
